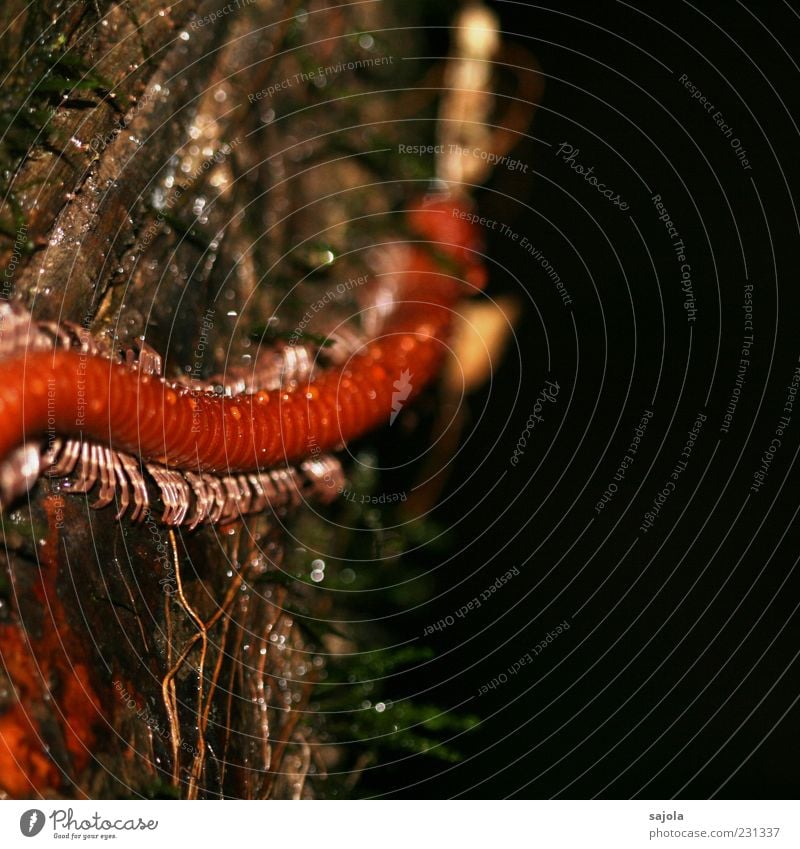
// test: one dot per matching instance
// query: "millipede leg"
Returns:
(89, 469)
(324, 478)
(87, 344)
(232, 508)
(216, 498)
(259, 501)
(183, 497)
(108, 479)
(122, 480)
(50, 454)
(145, 358)
(141, 500)
(202, 499)
(65, 464)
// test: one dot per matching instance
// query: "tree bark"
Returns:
(156, 192)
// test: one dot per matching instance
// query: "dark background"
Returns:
(678, 674)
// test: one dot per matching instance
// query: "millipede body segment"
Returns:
(84, 395)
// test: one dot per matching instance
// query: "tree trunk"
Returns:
(171, 173)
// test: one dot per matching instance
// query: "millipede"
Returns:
(74, 407)
(165, 415)
(218, 455)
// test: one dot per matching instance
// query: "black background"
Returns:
(678, 675)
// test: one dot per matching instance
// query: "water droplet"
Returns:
(317, 570)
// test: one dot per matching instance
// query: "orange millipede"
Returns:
(220, 448)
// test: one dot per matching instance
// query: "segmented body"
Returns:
(225, 450)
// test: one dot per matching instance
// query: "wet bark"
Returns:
(154, 192)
